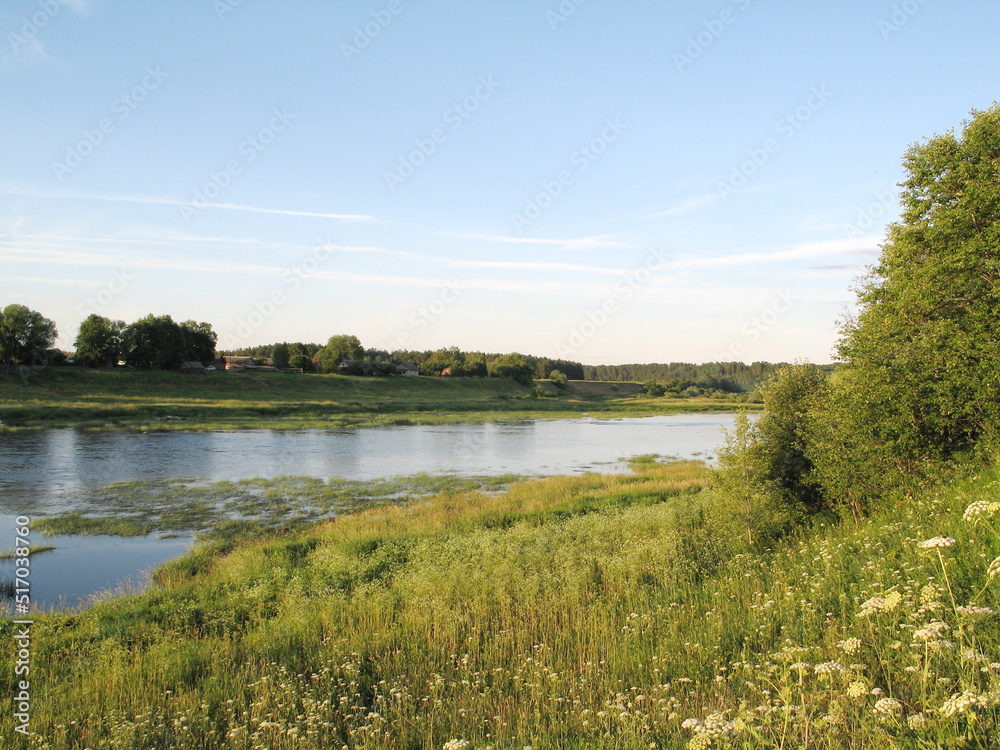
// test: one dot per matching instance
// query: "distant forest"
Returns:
(732, 377)
(729, 377)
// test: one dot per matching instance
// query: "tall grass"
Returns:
(596, 611)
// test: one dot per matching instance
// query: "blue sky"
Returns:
(607, 182)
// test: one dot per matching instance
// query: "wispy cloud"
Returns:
(35, 254)
(575, 243)
(47, 280)
(804, 251)
(163, 201)
(688, 205)
(52, 241)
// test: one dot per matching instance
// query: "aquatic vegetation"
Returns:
(239, 509)
(33, 549)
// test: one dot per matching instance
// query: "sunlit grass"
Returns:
(593, 611)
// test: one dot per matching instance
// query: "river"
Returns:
(42, 473)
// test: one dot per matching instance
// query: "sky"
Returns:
(606, 182)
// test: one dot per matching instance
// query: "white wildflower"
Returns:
(917, 721)
(856, 689)
(875, 604)
(931, 631)
(456, 745)
(888, 707)
(829, 667)
(972, 610)
(980, 508)
(936, 542)
(850, 645)
(959, 703)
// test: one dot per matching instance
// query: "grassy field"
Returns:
(128, 399)
(621, 612)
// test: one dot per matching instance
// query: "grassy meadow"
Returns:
(158, 400)
(618, 611)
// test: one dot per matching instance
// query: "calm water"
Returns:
(41, 473)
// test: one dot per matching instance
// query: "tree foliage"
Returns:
(99, 341)
(922, 378)
(513, 366)
(199, 341)
(158, 343)
(753, 499)
(920, 385)
(24, 334)
(280, 355)
(337, 350)
(784, 434)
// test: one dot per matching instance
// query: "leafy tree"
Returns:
(450, 358)
(199, 341)
(754, 502)
(338, 349)
(24, 334)
(514, 366)
(301, 361)
(784, 432)
(155, 343)
(652, 388)
(922, 375)
(475, 365)
(559, 378)
(99, 341)
(280, 354)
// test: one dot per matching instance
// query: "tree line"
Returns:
(158, 342)
(917, 394)
(450, 361)
(154, 342)
(729, 377)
